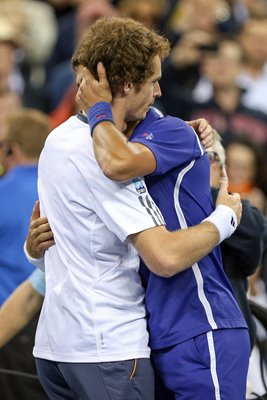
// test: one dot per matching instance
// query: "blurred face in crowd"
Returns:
(148, 12)
(202, 14)
(253, 40)
(241, 164)
(224, 65)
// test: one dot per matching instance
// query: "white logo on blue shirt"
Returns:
(148, 135)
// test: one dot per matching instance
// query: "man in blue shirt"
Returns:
(23, 134)
(198, 335)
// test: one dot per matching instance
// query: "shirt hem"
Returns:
(156, 345)
(90, 358)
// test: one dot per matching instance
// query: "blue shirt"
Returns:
(199, 299)
(18, 192)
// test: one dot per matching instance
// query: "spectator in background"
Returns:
(27, 22)
(148, 12)
(224, 110)
(22, 138)
(10, 73)
(9, 102)
(242, 253)
(196, 29)
(246, 166)
(253, 39)
(30, 19)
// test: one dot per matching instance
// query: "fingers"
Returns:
(92, 90)
(224, 174)
(206, 135)
(102, 75)
(224, 183)
(203, 125)
(239, 209)
(40, 226)
(41, 223)
(204, 130)
(44, 245)
(45, 240)
(40, 230)
(40, 237)
(87, 75)
(207, 141)
(35, 211)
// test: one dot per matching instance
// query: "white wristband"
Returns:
(225, 220)
(37, 262)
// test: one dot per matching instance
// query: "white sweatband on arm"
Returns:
(37, 262)
(225, 220)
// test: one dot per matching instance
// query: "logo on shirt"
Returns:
(139, 185)
(148, 135)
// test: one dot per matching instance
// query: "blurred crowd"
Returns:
(217, 69)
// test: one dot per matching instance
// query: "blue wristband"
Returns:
(99, 112)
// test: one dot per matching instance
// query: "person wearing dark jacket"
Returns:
(241, 253)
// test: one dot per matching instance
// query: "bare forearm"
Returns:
(18, 310)
(110, 148)
(167, 253)
(119, 159)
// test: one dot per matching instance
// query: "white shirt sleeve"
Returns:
(127, 209)
(37, 262)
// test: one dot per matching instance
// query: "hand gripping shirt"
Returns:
(94, 308)
(199, 299)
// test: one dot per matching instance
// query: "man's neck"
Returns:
(130, 128)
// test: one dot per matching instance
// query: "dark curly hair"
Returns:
(125, 47)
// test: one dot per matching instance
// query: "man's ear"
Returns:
(127, 87)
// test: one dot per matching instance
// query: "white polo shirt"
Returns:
(94, 303)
